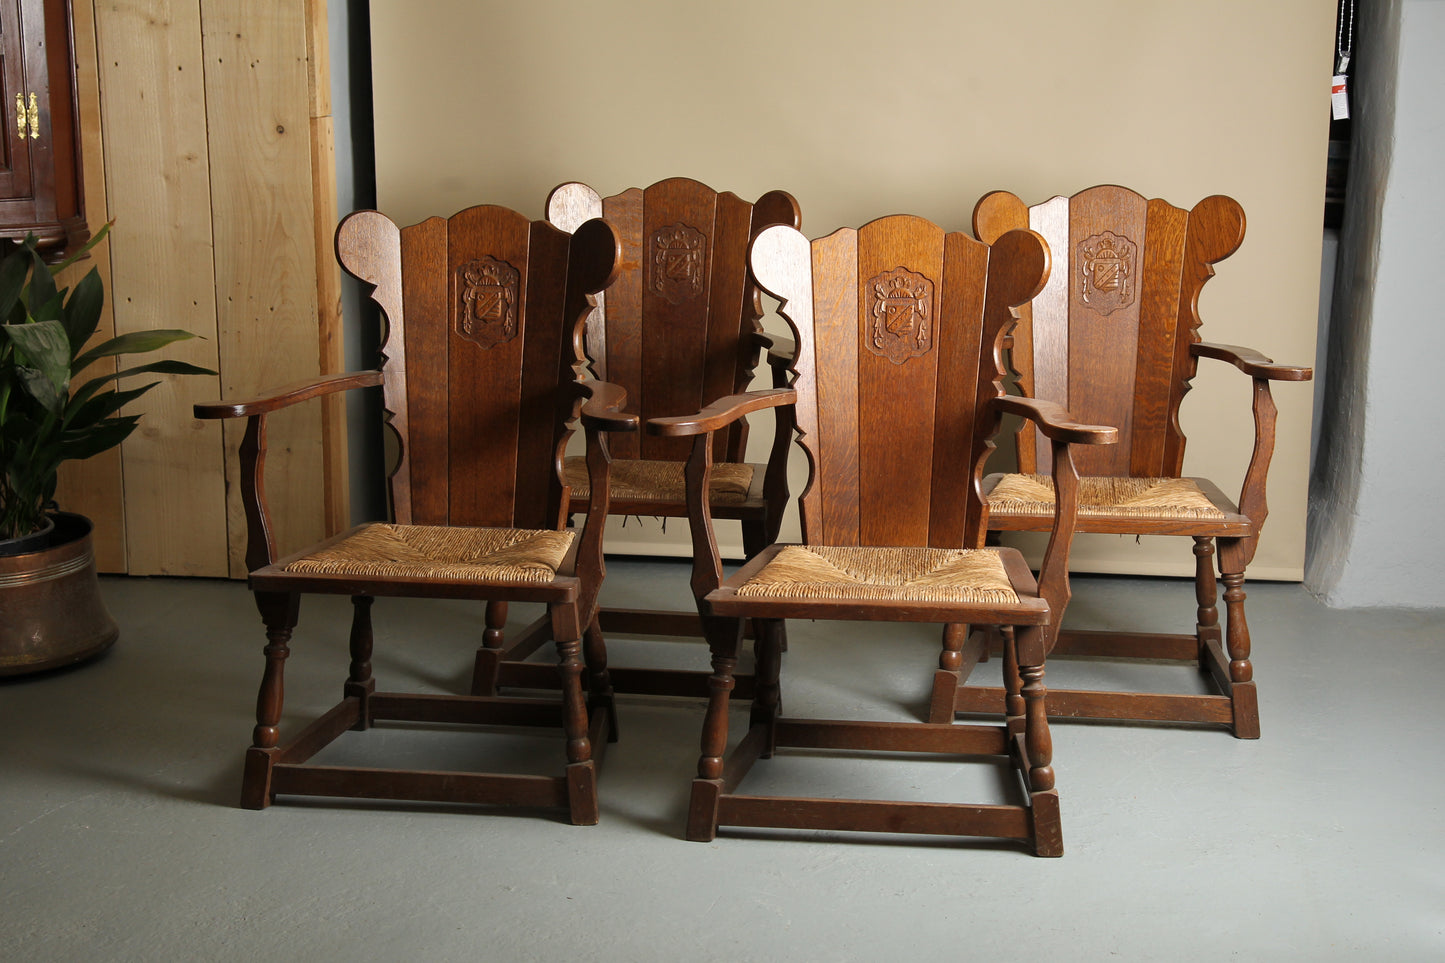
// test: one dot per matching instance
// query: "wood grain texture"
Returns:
(896, 400)
(1040, 352)
(569, 206)
(781, 261)
(424, 388)
(1156, 365)
(95, 487)
(329, 323)
(259, 138)
(622, 363)
(484, 384)
(834, 442)
(674, 306)
(960, 347)
(1101, 380)
(159, 192)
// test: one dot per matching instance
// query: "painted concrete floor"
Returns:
(120, 837)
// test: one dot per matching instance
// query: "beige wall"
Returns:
(862, 110)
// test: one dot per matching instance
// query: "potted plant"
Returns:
(49, 415)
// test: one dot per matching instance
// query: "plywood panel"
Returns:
(259, 124)
(158, 187)
(328, 273)
(93, 487)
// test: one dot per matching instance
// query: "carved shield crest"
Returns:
(487, 301)
(1107, 271)
(900, 312)
(677, 262)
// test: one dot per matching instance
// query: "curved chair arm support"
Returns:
(602, 407)
(1062, 431)
(721, 413)
(277, 398)
(1251, 362)
(260, 540)
(1252, 499)
(1055, 421)
(1034, 644)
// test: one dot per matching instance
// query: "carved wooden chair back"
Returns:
(478, 360)
(676, 330)
(1109, 335)
(894, 369)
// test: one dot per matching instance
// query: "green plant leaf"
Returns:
(42, 283)
(98, 438)
(39, 386)
(44, 347)
(150, 367)
(136, 342)
(82, 311)
(88, 413)
(95, 239)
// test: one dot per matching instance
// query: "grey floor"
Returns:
(120, 838)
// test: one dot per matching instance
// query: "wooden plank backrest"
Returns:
(898, 326)
(477, 361)
(1109, 335)
(675, 329)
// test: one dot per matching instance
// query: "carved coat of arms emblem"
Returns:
(677, 262)
(900, 313)
(1107, 271)
(487, 301)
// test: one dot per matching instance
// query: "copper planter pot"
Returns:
(51, 613)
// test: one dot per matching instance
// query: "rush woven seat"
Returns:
(679, 329)
(642, 480)
(442, 552)
(486, 308)
(897, 574)
(894, 395)
(1142, 497)
(1115, 337)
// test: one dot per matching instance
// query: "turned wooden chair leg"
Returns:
(581, 771)
(1013, 700)
(279, 612)
(723, 638)
(949, 674)
(1236, 635)
(489, 655)
(359, 682)
(599, 680)
(767, 695)
(1206, 627)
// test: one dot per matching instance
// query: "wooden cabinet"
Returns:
(40, 186)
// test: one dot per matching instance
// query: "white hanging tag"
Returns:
(1339, 98)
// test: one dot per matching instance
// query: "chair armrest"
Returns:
(1251, 362)
(1055, 421)
(721, 413)
(278, 398)
(602, 406)
(781, 351)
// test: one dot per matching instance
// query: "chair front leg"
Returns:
(723, 638)
(767, 696)
(279, 612)
(1234, 554)
(489, 654)
(599, 680)
(359, 683)
(1206, 594)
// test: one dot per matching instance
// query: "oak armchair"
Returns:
(1114, 336)
(479, 379)
(895, 396)
(677, 330)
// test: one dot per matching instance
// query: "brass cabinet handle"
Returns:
(21, 123)
(34, 115)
